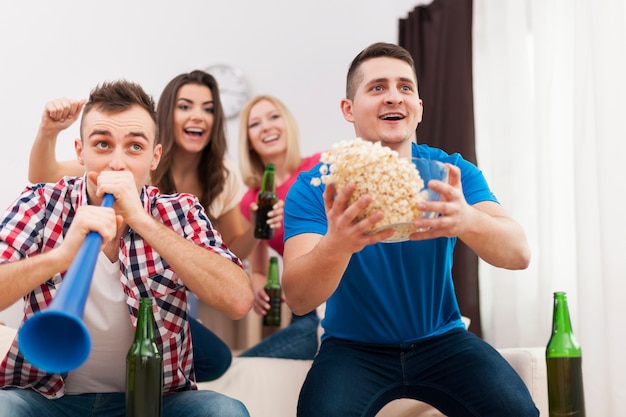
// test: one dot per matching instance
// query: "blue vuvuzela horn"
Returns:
(56, 340)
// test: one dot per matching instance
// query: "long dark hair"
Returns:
(211, 171)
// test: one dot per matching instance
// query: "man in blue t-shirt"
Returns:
(392, 327)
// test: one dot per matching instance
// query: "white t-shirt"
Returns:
(108, 320)
(233, 191)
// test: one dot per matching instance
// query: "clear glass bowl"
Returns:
(428, 169)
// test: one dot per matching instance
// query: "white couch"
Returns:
(270, 387)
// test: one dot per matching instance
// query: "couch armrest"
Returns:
(530, 364)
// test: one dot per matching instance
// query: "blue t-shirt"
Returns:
(390, 293)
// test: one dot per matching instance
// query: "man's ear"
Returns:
(78, 147)
(421, 111)
(156, 156)
(346, 109)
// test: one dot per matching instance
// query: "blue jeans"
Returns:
(457, 372)
(296, 341)
(29, 403)
(211, 356)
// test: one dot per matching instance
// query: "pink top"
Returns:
(276, 242)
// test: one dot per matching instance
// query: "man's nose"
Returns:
(394, 96)
(117, 162)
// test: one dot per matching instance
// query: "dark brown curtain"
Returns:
(439, 37)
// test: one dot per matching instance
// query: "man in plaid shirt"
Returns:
(154, 245)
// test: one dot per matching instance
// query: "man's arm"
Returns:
(215, 279)
(21, 277)
(18, 278)
(485, 227)
(314, 264)
(58, 115)
(496, 238)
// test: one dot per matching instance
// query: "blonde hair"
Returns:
(250, 163)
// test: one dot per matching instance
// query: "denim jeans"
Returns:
(211, 356)
(296, 341)
(457, 372)
(29, 403)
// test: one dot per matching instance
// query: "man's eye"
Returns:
(377, 88)
(136, 147)
(101, 145)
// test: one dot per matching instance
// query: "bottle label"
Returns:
(262, 229)
(272, 318)
(144, 386)
(565, 387)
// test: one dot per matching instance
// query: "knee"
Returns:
(220, 367)
(228, 407)
(527, 409)
(13, 405)
(519, 405)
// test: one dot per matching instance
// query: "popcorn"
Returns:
(393, 182)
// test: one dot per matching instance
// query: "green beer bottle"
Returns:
(564, 364)
(144, 368)
(265, 200)
(274, 290)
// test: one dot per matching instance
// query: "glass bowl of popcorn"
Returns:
(427, 169)
(396, 184)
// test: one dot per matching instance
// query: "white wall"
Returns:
(294, 50)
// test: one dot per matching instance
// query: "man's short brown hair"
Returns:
(376, 50)
(117, 96)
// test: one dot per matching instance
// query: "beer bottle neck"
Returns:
(562, 342)
(268, 179)
(145, 327)
(272, 274)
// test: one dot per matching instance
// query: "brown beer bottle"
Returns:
(274, 290)
(564, 363)
(266, 199)
(144, 368)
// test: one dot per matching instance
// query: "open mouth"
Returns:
(392, 116)
(194, 131)
(270, 139)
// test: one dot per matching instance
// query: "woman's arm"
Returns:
(237, 232)
(58, 115)
(259, 264)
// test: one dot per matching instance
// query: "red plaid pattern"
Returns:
(37, 222)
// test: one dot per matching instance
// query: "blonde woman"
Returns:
(268, 133)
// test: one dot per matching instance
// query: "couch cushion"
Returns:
(268, 387)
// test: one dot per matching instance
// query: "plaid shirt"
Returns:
(37, 222)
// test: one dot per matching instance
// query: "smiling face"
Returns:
(266, 130)
(386, 106)
(121, 141)
(193, 117)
